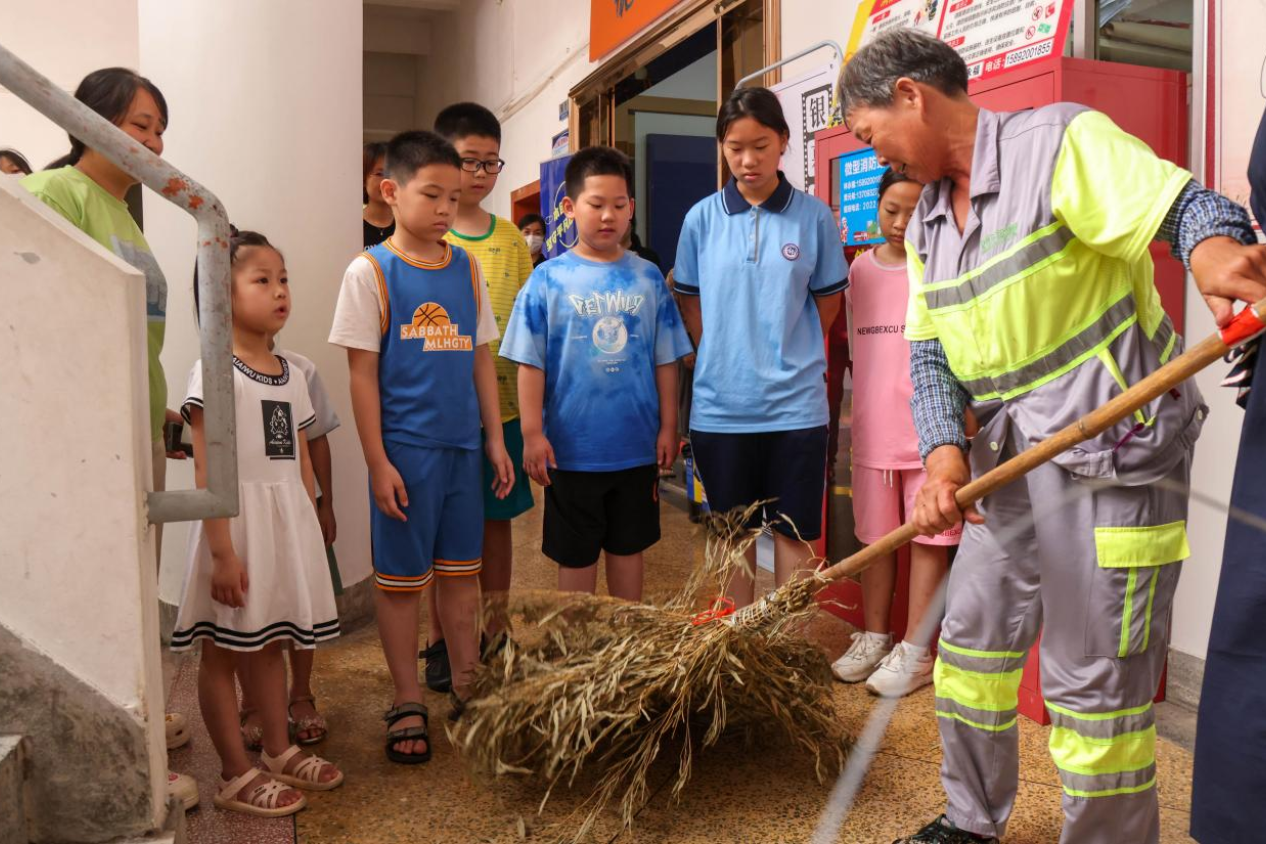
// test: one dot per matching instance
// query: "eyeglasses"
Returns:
(492, 168)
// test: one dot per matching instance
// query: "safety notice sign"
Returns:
(990, 35)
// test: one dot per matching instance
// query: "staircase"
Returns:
(82, 751)
(13, 776)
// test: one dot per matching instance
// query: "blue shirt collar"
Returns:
(778, 201)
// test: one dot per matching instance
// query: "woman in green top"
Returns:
(88, 190)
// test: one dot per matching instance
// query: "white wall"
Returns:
(390, 93)
(806, 22)
(266, 111)
(64, 41)
(1211, 477)
(397, 42)
(1218, 446)
(518, 58)
(76, 558)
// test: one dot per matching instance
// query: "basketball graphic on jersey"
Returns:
(435, 328)
(431, 313)
(610, 335)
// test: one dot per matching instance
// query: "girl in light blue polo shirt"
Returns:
(761, 268)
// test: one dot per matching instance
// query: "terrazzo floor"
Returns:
(761, 793)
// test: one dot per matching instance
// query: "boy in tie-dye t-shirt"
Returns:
(597, 336)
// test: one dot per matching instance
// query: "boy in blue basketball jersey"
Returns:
(597, 336)
(414, 316)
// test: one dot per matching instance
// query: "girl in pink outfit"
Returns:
(887, 471)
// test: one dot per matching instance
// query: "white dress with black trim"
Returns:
(276, 534)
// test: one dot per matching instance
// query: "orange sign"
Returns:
(612, 22)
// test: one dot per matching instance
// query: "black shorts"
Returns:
(590, 512)
(788, 466)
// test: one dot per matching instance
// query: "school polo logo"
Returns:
(432, 325)
(791, 251)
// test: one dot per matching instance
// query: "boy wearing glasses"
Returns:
(506, 261)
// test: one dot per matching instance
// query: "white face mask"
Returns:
(535, 242)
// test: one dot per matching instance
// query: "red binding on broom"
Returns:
(721, 607)
(1246, 325)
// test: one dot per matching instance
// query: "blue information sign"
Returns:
(560, 232)
(860, 173)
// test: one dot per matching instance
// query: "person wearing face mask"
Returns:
(532, 227)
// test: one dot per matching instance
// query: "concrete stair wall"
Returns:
(13, 775)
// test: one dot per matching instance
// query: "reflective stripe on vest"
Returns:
(997, 325)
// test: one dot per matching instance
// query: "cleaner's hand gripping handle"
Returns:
(1248, 324)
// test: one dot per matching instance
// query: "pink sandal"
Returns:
(306, 775)
(252, 736)
(262, 801)
(308, 723)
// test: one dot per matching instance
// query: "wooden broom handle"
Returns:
(1247, 324)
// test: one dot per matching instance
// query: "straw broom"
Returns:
(603, 685)
(606, 683)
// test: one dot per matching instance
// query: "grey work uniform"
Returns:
(1046, 309)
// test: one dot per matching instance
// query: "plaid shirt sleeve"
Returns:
(938, 399)
(1199, 214)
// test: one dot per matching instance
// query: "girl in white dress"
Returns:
(260, 578)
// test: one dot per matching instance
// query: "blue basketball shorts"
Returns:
(444, 534)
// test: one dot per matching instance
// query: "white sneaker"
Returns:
(867, 651)
(184, 788)
(901, 673)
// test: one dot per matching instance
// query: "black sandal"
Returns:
(438, 672)
(458, 708)
(397, 713)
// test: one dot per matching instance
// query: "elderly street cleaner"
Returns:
(1032, 298)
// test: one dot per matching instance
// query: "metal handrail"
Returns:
(839, 58)
(219, 498)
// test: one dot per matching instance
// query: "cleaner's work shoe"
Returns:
(901, 673)
(859, 661)
(439, 674)
(941, 831)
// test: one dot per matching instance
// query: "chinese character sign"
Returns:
(807, 105)
(991, 35)
(860, 173)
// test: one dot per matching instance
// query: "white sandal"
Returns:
(306, 775)
(176, 727)
(262, 800)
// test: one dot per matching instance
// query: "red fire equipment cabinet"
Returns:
(1146, 102)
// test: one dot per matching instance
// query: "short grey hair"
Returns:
(869, 78)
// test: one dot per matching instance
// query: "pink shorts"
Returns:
(883, 500)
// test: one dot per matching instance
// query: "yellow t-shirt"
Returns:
(506, 262)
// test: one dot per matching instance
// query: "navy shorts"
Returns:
(445, 531)
(788, 466)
